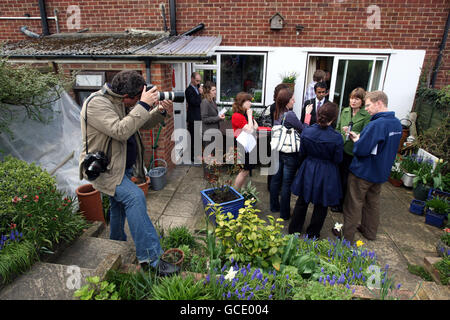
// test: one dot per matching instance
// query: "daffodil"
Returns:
(231, 274)
(359, 243)
(338, 226)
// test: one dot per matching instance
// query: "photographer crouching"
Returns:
(113, 152)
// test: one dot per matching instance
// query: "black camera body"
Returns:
(94, 164)
(175, 96)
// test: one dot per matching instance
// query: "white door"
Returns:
(179, 109)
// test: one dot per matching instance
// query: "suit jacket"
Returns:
(193, 104)
(313, 112)
(210, 115)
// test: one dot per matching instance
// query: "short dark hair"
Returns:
(328, 112)
(128, 82)
(320, 85)
(319, 75)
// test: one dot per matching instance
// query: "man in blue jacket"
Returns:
(374, 153)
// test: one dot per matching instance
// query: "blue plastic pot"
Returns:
(417, 207)
(232, 206)
(433, 219)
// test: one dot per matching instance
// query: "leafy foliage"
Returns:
(179, 288)
(25, 87)
(97, 290)
(249, 238)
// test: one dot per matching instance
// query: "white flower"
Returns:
(230, 275)
(338, 226)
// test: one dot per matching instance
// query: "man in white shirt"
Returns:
(319, 76)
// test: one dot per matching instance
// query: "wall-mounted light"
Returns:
(299, 28)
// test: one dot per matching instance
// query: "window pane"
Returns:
(377, 75)
(208, 75)
(241, 73)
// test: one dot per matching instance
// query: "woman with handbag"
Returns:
(317, 181)
(242, 120)
(289, 162)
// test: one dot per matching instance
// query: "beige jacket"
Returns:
(108, 129)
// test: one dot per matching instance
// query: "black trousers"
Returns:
(299, 215)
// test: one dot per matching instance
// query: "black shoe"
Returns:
(165, 268)
(336, 209)
(335, 232)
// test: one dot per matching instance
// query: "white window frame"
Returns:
(217, 66)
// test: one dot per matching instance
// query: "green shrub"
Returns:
(97, 290)
(30, 200)
(443, 267)
(179, 288)
(177, 237)
(15, 259)
(249, 238)
(420, 272)
(132, 286)
(313, 290)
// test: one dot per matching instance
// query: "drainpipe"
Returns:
(173, 18)
(45, 31)
(148, 63)
(24, 30)
(195, 29)
(441, 52)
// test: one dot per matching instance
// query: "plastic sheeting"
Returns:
(49, 144)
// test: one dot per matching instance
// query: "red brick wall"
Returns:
(404, 24)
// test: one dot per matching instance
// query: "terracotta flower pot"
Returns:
(143, 186)
(90, 202)
(174, 255)
(395, 182)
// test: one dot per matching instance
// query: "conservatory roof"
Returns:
(153, 45)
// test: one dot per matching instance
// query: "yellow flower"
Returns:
(359, 243)
(441, 161)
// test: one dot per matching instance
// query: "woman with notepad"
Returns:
(210, 115)
(242, 121)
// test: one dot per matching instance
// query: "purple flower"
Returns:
(270, 296)
(399, 285)
(229, 295)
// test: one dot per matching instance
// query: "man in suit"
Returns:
(193, 96)
(320, 89)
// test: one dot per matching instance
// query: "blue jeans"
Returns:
(288, 166)
(129, 202)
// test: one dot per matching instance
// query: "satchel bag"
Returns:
(284, 139)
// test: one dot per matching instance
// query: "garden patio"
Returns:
(403, 239)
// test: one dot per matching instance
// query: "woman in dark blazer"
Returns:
(209, 112)
(317, 181)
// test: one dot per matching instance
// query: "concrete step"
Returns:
(46, 281)
(90, 252)
(432, 291)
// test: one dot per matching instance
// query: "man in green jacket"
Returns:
(110, 122)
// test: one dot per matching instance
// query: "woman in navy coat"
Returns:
(317, 181)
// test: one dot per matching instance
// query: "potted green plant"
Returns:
(219, 175)
(437, 210)
(289, 79)
(395, 178)
(408, 164)
(423, 180)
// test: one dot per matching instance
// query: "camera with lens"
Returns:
(175, 96)
(94, 164)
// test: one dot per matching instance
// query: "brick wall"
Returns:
(404, 24)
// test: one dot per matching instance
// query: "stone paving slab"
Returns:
(90, 252)
(46, 281)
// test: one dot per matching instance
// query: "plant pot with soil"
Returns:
(174, 256)
(142, 184)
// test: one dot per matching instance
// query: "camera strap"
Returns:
(85, 116)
